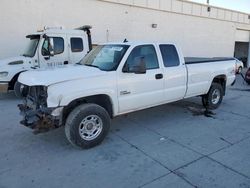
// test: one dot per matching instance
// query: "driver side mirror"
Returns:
(48, 46)
(51, 47)
(138, 66)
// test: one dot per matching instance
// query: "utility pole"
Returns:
(208, 7)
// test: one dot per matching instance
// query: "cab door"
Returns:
(78, 47)
(175, 73)
(60, 56)
(138, 91)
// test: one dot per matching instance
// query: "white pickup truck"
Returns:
(116, 79)
(51, 47)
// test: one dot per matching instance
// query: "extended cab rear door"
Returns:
(138, 91)
(175, 73)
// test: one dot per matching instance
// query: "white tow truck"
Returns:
(51, 47)
(116, 79)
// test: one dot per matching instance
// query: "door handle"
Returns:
(47, 58)
(65, 62)
(125, 92)
(158, 76)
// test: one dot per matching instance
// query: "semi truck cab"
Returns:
(48, 48)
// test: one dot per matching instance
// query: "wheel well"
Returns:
(101, 100)
(221, 79)
(13, 81)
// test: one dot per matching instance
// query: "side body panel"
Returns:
(201, 75)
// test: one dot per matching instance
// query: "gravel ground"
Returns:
(168, 146)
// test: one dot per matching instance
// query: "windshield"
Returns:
(105, 57)
(31, 47)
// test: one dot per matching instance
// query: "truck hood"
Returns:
(4, 62)
(46, 77)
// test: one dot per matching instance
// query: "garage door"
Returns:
(242, 36)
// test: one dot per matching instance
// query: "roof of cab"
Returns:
(136, 43)
(59, 31)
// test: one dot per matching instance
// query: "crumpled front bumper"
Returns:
(40, 120)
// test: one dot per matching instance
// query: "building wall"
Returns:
(198, 32)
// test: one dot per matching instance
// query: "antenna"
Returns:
(125, 41)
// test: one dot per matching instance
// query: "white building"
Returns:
(200, 32)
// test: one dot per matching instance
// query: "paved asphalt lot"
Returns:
(166, 146)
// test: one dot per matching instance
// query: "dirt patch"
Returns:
(201, 112)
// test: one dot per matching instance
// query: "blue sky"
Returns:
(240, 5)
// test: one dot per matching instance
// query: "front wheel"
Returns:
(87, 125)
(214, 97)
(17, 89)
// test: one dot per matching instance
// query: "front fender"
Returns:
(62, 94)
(13, 69)
(64, 100)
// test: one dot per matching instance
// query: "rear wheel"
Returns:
(214, 97)
(87, 125)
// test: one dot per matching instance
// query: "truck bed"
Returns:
(201, 72)
(194, 60)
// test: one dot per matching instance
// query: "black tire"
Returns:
(214, 97)
(78, 119)
(204, 100)
(17, 89)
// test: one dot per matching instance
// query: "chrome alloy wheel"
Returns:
(216, 95)
(90, 127)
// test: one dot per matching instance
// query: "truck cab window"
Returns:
(58, 46)
(169, 55)
(76, 44)
(31, 47)
(148, 53)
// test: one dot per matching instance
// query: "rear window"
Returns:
(169, 55)
(76, 44)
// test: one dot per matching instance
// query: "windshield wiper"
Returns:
(90, 65)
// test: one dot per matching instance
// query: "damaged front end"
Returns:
(36, 114)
